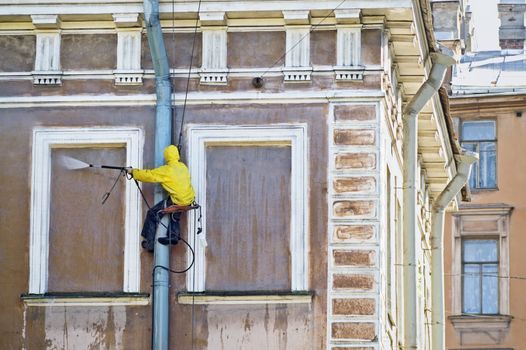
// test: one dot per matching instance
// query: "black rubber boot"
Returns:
(148, 245)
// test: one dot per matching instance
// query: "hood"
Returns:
(171, 154)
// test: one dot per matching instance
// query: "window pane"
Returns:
(471, 146)
(471, 289)
(487, 163)
(490, 289)
(478, 130)
(479, 250)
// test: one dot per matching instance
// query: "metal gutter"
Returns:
(410, 150)
(163, 133)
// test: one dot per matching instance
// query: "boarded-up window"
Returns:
(86, 238)
(248, 206)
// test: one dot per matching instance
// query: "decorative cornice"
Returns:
(125, 20)
(216, 18)
(296, 17)
(46, 21)
(349, 16)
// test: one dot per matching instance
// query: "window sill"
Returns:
(85, 299)
(483, 189)
(229, 298)
(480, 321)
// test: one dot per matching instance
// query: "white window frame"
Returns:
(294, 135)
(475, 170)
(501, 216)
(44, 140)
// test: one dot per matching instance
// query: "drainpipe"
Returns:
(163, 133)
(464, 162)
(410, 149)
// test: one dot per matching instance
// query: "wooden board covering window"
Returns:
(248, 218)
(86, 238)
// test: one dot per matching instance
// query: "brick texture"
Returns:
(354, 208)
(354, 137)
(361, 282)
(354, 113)
(511, 44)
(345, 161)
(353, 257)
(354, 184)
(355, 306)
(354, 232)
(353, 330)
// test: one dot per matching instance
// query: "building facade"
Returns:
(484, 271)
(300, 180)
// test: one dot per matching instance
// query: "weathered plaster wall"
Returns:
(178, 48)
(283, 326)
(323, 47)
(255, 49)
(305, 324)
(88, 51)
(18, 53)
(372, 46)
(35, 327)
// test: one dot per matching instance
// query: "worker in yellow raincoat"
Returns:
(174, 177)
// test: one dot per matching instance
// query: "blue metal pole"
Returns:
(161, 287)
(163, 131)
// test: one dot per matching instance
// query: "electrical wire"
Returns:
(473, 274)
(179, 141)
(303, 38)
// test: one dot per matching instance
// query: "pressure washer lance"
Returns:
(75, 164)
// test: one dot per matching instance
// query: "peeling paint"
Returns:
(85, 328)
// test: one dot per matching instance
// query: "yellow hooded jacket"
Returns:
(174, 177)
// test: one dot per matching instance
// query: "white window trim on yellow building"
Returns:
(44, 139)
(499, 215)
(491, 327)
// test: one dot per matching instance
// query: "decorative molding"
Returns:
(296, 17)
(491, 329)
(214, 69)
(128, 70)
(74, 300)
(298, 74)
(294, 135)
(247, 299)
(44, 139)
(347, 73)
(216, 18)
(348, 53)
(297, 59)
(183, 8)
(45, 21)
(47, 60)
(348, 16)
(194, 98)
(125, 20)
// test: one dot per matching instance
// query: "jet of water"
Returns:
(72, 163)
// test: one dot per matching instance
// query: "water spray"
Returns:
(76, 164)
